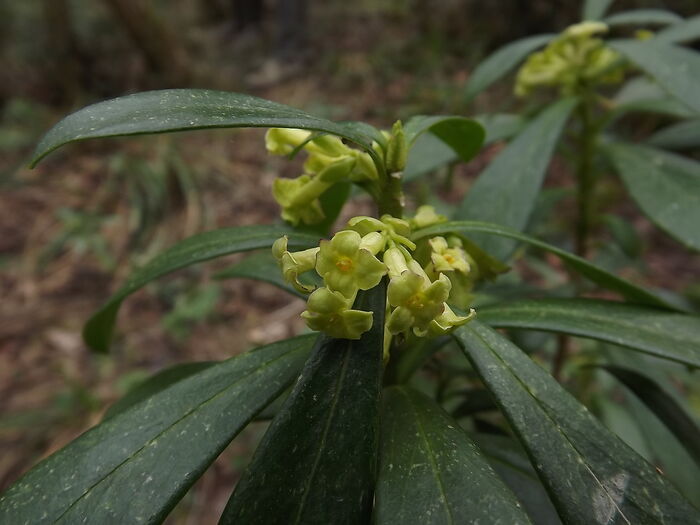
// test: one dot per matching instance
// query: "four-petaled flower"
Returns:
(347, 265)
(330, 312)
(294, 264)
(417, 300)
(446, 258)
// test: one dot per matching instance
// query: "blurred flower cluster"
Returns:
(574, 60)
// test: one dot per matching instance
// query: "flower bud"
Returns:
(397, 149)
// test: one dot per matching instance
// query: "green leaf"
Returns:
(591, 475)
(677, 70)
(431, 472)
(643, 17)
(500, 63)
(198, 248)
(659, 333)
(135, 466)
(189, 109)
(263, 267)
(662, 404)
(464, 136)
(429, 153)
(666, 187)
(682, 135)
(156, 383)
(642, 94)
(513, 466)
(317, 461)
(505, 192)
(686, 31)
(595, 274)
(595, 9)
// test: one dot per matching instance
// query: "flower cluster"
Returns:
(574, 59)
(329, 161)
(358, 257)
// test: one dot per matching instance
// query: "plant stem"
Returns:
(585, 199)
(391, 199)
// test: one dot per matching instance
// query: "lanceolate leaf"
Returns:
(431, 472)
(429, 153)
(189, 109)
(201, 247)
(682, 135)
(157, 383)
(591, 475)
(676, 69)
(502, 62)
(263, 267)
(686, 31)
(462, 135)
(506, 191)
(594, 273)
(665, 186)
(317, 461)
(642, 94)
(135, 466)
(643, 17)
(514, 467)
(663, 405)
(595, 9)
(659, 333)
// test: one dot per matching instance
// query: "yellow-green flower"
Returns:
(448, 320)
(426, 216)
(417, 300)
(294, 264)
(330, 312)
(346, 266)
(446, 258)
(283, 141)
(289, 192)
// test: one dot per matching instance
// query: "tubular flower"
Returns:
(346, 266)
(294, 264)
(330, 312)
(417, 300)
(295, 208)
(426, 216)
(448, 320)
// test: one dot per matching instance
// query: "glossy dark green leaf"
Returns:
(595, 9)
(662, 334)
(428, 153)
(500, 63)
(676, 69)
(686, 31)
(505, 192)
(662, 404)
(430, 472)
(135, 466)
(317, 461)
(666, 187)
(464, 136)
(189, 109)
(591, 476)
(595, 274)
(682, 135)
(198, 248)
(156, 383)
(263, 267)
(513, 466)
(643, 17)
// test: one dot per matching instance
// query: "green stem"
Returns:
(391, 198)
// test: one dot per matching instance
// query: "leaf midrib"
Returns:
(545, 411)
(431, 456)
(324, 436)
(173, 424)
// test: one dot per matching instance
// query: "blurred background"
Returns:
(71, 229)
